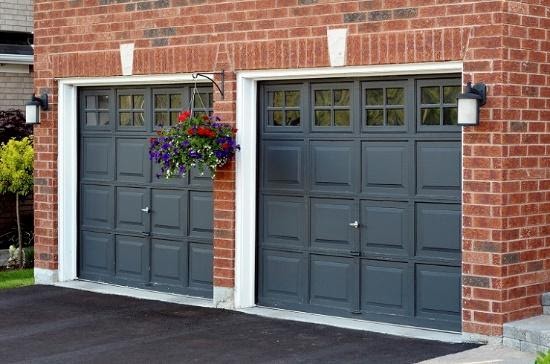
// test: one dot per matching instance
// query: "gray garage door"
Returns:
(359, 199)
(136, 229)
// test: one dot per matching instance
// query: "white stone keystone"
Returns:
(337, 41)
(127, 58)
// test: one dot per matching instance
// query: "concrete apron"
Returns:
(347, 323)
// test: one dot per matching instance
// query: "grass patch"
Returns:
(16, 278)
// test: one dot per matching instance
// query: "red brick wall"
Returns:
(502, 43)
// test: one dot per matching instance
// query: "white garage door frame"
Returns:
(246, 170)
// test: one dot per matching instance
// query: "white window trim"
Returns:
(246, 193)
(67, 161)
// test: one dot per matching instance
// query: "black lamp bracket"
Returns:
(479, 89)
(222, 75)
(42, 100)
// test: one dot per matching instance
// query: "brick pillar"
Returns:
(506, 166)
(224, 200)
(45, 159)
(45, 192)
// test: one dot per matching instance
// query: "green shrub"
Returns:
(16, 176)
(543, 358)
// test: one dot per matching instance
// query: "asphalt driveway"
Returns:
(44, 324)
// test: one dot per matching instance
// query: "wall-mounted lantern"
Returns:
(32, 108)
(469, 103)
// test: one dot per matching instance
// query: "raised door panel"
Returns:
(438, 293)
(97, 252)
(385, 168)
(133, 163)
(386, 287)
(333, 282)
(333, 166)
(438, 169)
(283, 163)
(284, 221)
(97, 159)
(201, 214)
(330, 224)
(132, 258)
(129, 215)
(169, 212)
(282, 275)
(438, 232)
(385, 228)
(200, 266)
(169, 262)
(97, 206)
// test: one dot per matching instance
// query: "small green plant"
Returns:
(29, 257)
(543, 358)
(16, 176)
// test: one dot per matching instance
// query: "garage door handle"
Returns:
(147, 210)
(354, 224)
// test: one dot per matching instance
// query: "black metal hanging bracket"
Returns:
(222, 74)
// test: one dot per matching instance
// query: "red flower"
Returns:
(190, 131)
(225, 145)
(205, 117)
(234, 130)
(206, 132)
(184, 116)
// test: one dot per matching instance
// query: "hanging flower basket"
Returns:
(200, 142)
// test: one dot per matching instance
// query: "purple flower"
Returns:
(194, 154)
(220, 154)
